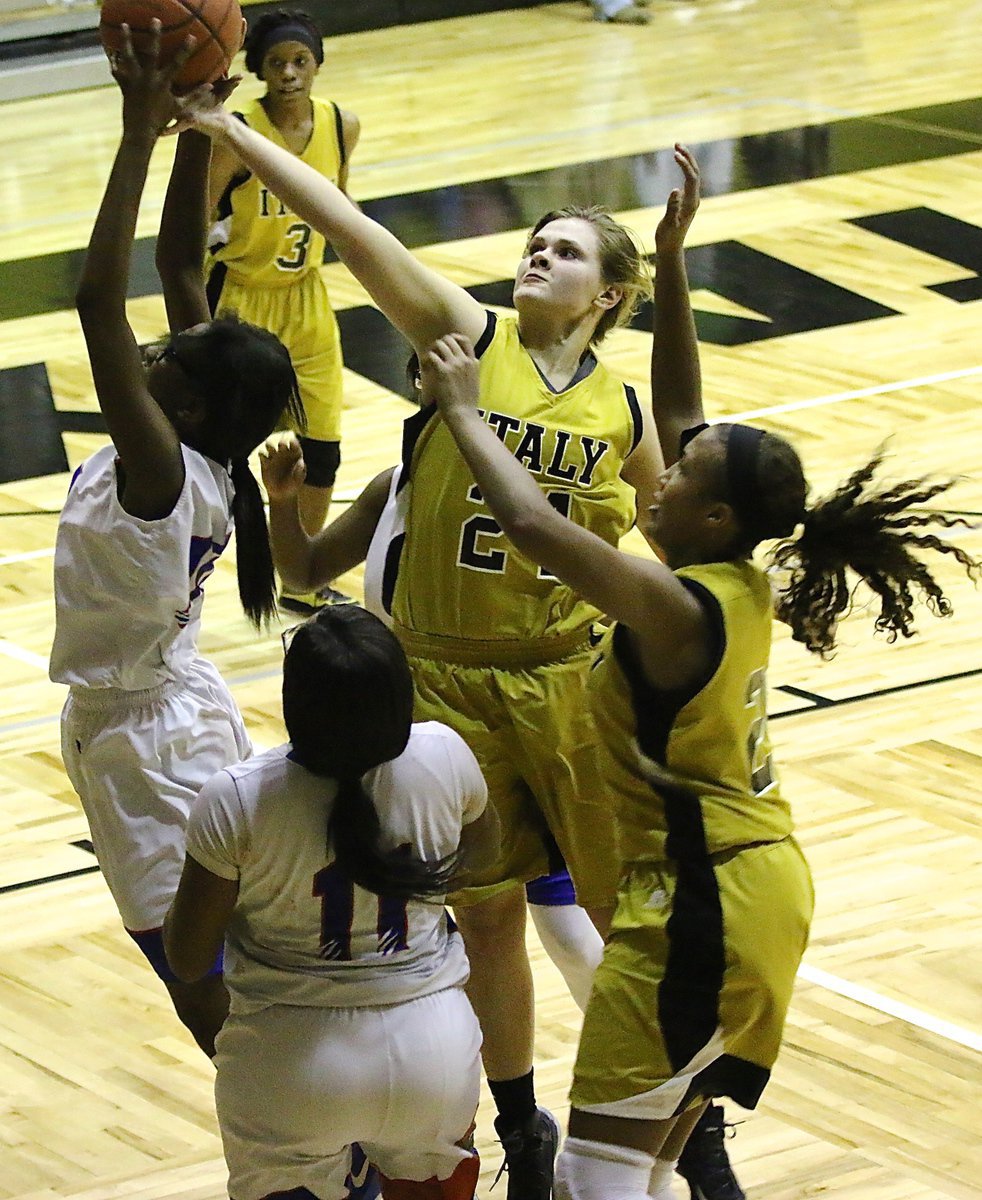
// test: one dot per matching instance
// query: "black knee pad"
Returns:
(323, 460)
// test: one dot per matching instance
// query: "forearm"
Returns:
(299, 186)
(105, 273)
(183, 226)
(292, 547)
(676, 378)
(421, 304)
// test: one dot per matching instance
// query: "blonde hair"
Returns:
(622, 262)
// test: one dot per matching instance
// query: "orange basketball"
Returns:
(216, 26)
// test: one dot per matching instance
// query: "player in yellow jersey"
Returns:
(715, 900)
(263, 259)
(499, 648)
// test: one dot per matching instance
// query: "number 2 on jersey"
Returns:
(476, 555)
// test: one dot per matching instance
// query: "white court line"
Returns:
(837, 397)
(892, 1008)
(11, 650)
(26, 556)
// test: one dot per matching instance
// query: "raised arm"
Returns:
(642, 593)
(306, 563)
(676, 380)
(147, 444)
(181, 241)
(642, 470)
(421, 304)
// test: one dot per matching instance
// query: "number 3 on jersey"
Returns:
(299, 234)
(478, 548)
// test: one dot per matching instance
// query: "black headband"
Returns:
(291, 33)
(742, 448)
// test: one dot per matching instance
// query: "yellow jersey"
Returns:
(261, 242)
(692, 775)
(458, 576)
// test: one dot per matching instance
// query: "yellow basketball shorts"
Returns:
(531, 731)
(691, 996)
(302, 318)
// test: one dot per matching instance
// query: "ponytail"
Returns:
(247, 381)
(353, 833)
(348, 708)
(254, 557)
(873, 534)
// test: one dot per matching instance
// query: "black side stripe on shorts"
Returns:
(688, 995)
(737, 1078)
(390, 571)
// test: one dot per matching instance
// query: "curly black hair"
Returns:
(874, 533)
(257, 39)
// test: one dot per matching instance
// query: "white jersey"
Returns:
(390, 531)
(128, 592)
(301, 932)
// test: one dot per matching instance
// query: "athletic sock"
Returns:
(514, 1100)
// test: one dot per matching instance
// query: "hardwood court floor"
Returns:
(835, 264)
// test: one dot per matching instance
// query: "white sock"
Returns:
(588, 1170)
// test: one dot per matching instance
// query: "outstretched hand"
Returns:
(149, 105)
(449, 374)
(203, 108)
(681, 206)
(282, 466)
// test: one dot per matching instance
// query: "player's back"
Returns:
(302, 933)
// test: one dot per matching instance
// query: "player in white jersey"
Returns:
(147, 720)
(322, 864)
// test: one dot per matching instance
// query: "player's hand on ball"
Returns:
(282, 465)
(148, 102)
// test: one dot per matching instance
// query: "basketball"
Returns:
(215, 24)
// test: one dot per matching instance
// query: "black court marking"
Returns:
(31, 444)
(81, 844)
(937, 234)
(819, 704)
(29, 883)
(47, 282)
(816, 700)
(822, 703)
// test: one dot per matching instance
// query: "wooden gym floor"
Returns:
(836, 266)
